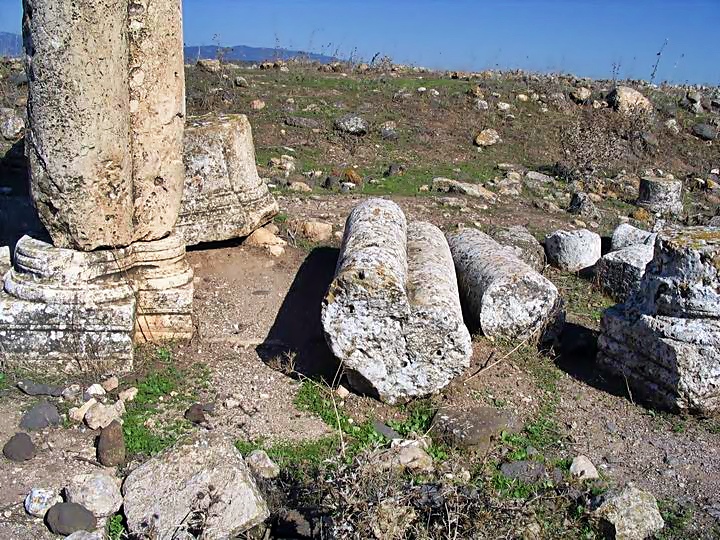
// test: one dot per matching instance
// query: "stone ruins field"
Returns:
(409, 391)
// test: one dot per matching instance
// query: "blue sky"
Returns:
(585, 37)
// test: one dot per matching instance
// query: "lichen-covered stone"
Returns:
(392, 313)
(661, 195)
(573, 250)
(665, 340)
(620, 272)
(156, 80)
(224, 197)
(505, 296)
(630, 514)
(523, 244)
(78, 141)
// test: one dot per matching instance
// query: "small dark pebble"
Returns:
(195, 414)
(19, 448)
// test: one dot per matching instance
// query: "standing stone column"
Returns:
(157, 114)
(78, 144)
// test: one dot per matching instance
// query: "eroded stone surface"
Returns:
(392, 313)
(665, 340)
(78, 141)
(156, 114)
(207, 476)
(70, 311)
(626, 235)
(661, 195)
(224, 196)
(620, 272)
(573, 250)
(505, 296)
(523, 244)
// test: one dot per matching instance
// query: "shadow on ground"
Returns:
(296, 341)
(578, 349)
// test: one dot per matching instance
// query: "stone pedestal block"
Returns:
(665, 340)
(64, 310)
(224, 196)
(661, 195)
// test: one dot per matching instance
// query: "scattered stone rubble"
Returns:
(505, 296)
(665, 340)
(395, 292)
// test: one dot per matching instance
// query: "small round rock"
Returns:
(261, 464)
(67, 518)
(40, 500)
(19, 448)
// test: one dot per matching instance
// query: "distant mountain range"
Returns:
(11, 45)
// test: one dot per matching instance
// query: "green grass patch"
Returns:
(145, 430)
(678, 520)
(584, 301)
(294, 454)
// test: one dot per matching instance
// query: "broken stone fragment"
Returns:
(573, 250)
(40, 500)
(99, 492)
(447, 185)
(583, 468)
(473, 428)
(224, 196)
(619, 273)
(395, 292)
(204, 474)
(504, 295)
(630, 514)
(261, 464)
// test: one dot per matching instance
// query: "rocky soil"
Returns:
(259, 371)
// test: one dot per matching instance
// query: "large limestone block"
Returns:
(506, 297)
(683, 279)
(204, 480)
(625, 235)
(669, 362)
(665, 340)
(78, 141)
(620, 272)
(392, 314)
(157, 114)
(629, 101)
(224, 196)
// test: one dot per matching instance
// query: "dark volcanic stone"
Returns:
(195, 414)
(19, 448)
(386, 431)
(111, 445)
(36, 389)
(706, 132)
(332, 183)
(42, 415)
(67, 518)
(530, 472)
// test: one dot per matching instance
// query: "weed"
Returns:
(512, 488)
(294, 455)
(116, 528)
(4, 381)
(678, 520)
(281, 217)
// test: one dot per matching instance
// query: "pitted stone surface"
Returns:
(661, 195)
(78, 141)
(392, 314)
(157, 114)
(224, 196)
(665, 340)
(507, 297)
(523, 244)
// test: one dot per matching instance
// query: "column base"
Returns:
(70, 311)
